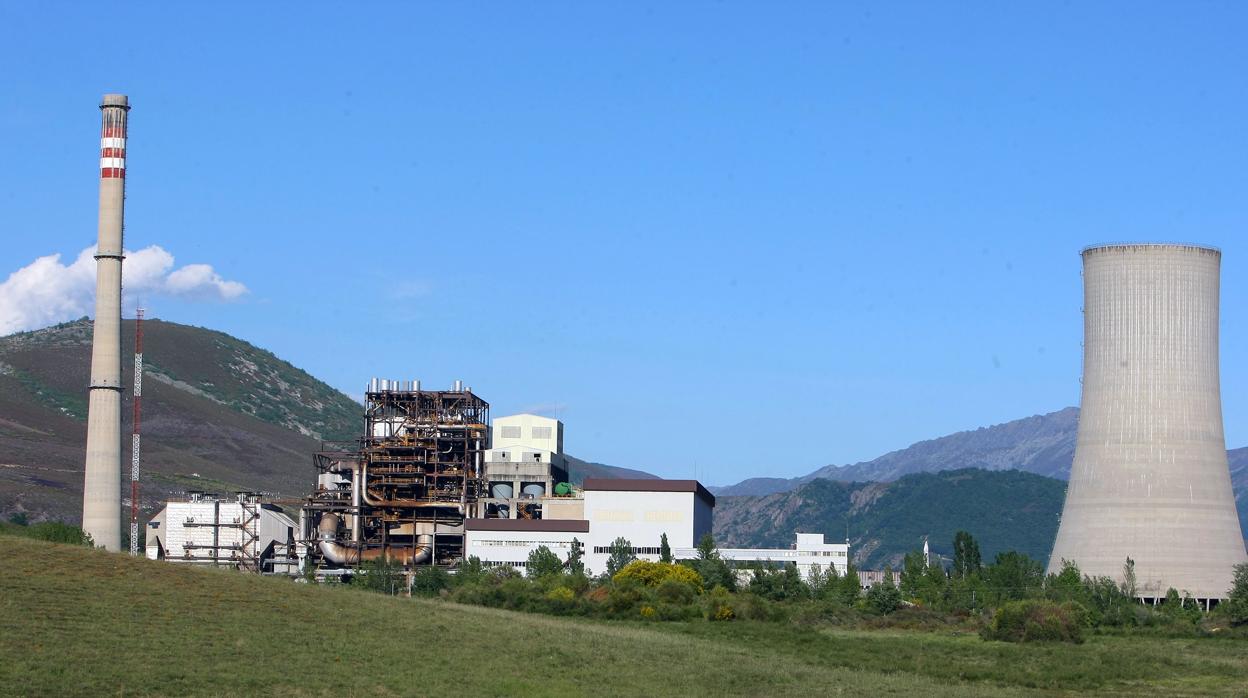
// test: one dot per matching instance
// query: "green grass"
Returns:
(75, 621)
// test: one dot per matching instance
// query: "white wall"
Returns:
(513, 547)
(642, 518)
(527, 430)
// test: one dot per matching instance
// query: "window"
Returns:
(606, 550)
(537, 457)
(511, 432)
(541, 432)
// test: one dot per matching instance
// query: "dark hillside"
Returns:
(1006, 510)
(219, 414)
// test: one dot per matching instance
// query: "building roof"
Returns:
(606, 484)
(550, 525)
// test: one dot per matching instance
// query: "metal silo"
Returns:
(1150, 479)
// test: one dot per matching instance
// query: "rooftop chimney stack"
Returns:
(101, 496)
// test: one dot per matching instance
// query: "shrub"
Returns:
(883, 598)
(717, 606)
(560, 599)
(1236, 605)
(1037, 620)
(381, 575)
(675, 591)
(543, 563)
(652, 574)
(751, 607)
(429, 581)
(51, 531)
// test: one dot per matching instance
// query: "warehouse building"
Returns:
(242, 533)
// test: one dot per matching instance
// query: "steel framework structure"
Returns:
(402, 490)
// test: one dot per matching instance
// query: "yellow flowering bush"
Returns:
(652, 574)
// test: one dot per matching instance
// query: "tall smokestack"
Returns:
(101, 494)
(1150, 478)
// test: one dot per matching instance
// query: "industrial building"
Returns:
(809, 550)
(594, 516)
(524, 464)
(244, 533)
(1150, 479)
(402, 490)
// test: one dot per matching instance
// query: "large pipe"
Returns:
(101, 494)
(373, 500)
(349, 555)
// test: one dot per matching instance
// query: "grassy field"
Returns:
(82, 622)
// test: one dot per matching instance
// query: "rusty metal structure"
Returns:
(403, 489)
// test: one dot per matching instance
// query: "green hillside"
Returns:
(1005, 510)
(81, 622)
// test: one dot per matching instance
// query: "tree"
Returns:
(1013, 576)
(470, 571)
(429, 580)
(1236, 605)
(621, 553)
(542, 563)
(966, 559)
(884, 597)
(380, 574)
(913, 574)
(816, 580)
(1128, 578)
(850, 586)
(576, 566)
(1066, 585)
(665, 550)
(714, 571)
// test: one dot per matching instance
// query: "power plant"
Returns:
(101, 498)
(1150, 479)
(430, 482)
(403, 490)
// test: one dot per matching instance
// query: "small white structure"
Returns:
(809, 550)
(244, 533)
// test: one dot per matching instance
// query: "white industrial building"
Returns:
(243, 533)
(640, 511)
(525, 464)
(808, 551)
(510, 541)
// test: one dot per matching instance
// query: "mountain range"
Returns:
(1042, 444)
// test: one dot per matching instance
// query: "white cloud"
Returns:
(47, 291)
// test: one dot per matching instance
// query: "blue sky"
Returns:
(746, 239)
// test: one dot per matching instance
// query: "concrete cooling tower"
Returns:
(1150, 479)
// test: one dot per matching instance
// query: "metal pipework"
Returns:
(349, 555)
(373, 500)
(101, 494)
